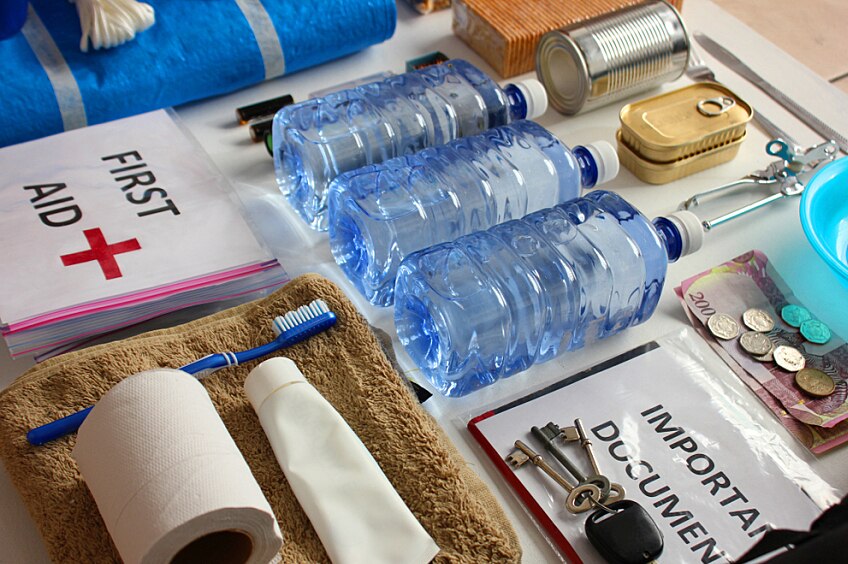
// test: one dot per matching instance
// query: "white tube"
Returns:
(355, 511)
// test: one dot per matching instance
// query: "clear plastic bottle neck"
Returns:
(588, 166)
(517, 102)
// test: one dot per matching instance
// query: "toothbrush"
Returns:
(291, 328)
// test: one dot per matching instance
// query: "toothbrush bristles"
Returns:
(302, 314)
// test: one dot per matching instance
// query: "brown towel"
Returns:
(345, 364)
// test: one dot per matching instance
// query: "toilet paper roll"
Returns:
(168, 479)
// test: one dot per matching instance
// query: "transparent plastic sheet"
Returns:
(753, 280)
(281, 230)
(711, 466)
(298, 247)
(237, 197)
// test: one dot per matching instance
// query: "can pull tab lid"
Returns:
(712, 107)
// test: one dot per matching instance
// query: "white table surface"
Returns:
(776, 231)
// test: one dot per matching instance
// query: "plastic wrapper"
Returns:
(193, 51)
(666, 424)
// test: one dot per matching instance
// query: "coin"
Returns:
(815, 331)
(815, 382)
(768, 357)
(795, 315)
(758, 320)
(789, 358)
(723, 326)
(755, 343)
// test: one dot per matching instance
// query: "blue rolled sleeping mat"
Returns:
(196, 49)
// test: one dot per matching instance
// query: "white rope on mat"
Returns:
(108, 23)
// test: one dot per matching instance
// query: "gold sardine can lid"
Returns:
(684, 122)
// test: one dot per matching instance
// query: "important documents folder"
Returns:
(107, 226)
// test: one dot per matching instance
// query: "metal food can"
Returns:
(604, 59)
(681, 132)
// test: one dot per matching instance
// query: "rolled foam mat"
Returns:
(194, 50)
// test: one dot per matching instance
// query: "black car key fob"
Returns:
(627, 535)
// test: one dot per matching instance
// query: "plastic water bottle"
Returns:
(318, 139)
(492, 303)
(381, 213)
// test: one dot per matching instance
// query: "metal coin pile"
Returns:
(754, 341)
(757, 344)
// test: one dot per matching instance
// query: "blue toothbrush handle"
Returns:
(303, 323)
(71, 423)
(58, 428)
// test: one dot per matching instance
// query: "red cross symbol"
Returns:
(102, 252)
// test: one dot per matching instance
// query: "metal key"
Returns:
(548, 434)
(624, 533)
(580, 499)
(616, 491)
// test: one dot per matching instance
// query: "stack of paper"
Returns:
(111, 225)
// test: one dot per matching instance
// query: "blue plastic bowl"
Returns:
(824, 215)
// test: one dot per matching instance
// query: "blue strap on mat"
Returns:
(193, 51)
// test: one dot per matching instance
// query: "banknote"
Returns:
(750, 281)
(817, 439)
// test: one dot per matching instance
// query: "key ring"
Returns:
(603, 507)
(582, 498)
